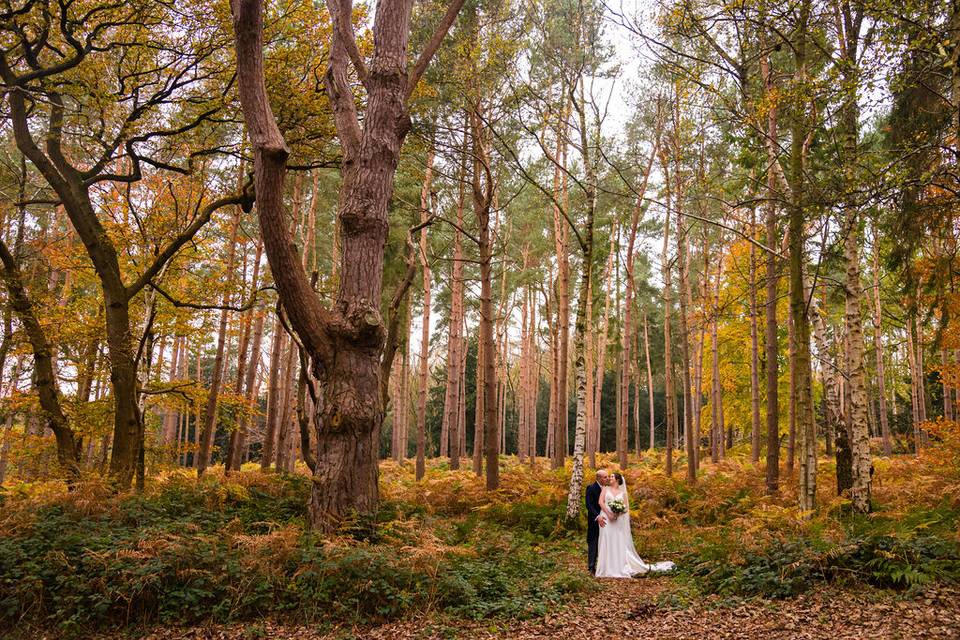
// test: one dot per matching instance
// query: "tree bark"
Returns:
(424, 364)
(586, 248)
(343, 343)
(44, 376)
(772, 277)
(646, 351)
(683, 261)
(670, 395)
(273, 396)
(219, 364)
(754, 348)
(450, 441)
(801, 373)
(482, 187)
(561, 245)
(250, 386)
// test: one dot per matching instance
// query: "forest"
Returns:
(319, 319)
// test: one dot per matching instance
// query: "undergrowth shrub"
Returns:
(795, 566)
(234, 548)
(518, 583)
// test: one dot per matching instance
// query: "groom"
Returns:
(595, 518)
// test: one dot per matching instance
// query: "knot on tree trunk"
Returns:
(360, 219)
(362, 326)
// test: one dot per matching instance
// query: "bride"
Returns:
(617, 557)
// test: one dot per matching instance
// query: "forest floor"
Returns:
(229, 558)
(634, 609)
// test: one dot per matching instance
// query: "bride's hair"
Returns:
(619, 479)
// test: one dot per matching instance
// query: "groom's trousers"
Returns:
(593, 540)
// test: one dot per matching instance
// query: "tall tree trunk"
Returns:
(792, 402)
(652, 412)
(250, 386)
(861, 465)
(479, 409)
(586, 247)
(523, 383)
(554, 369)
(754, 347)
(698, 358)
(210, 414)
(344, 343)
(716, 409)
(683, 260)
(483, 188)
(829, 372)
(600, 364)
(7, 442)
(671, 399)
(243, 383)
(403, 401)
(772, 369)
(533, 392)
(274, 394)
(801, 372)
(424, 363)
(450, 442)
(561, 243)
(916, 382)
(44, 375)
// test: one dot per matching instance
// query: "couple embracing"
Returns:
(610, 550)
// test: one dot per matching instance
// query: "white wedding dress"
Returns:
(617, 556)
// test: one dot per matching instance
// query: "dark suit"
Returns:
(593, 529)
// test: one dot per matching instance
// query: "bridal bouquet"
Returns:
(617, 505)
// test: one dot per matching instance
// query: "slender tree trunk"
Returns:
(524, 374)
(482, 201)
(424, 363)
(801, 373)
(671, 399)
(273, 397)
(652, 416)
(772, 369)
(792, 403)
(600, 366)
(716, 410)
(754, 348)
(562, 238)
(683, 260)
(862, 466)
(12, 388)
(44, 376)
(534, 389)
(249, 383)
(698, 358)
(915, 382)
(219, 364)
(579, 443)
(243, 384)
(921, 374)
(450, 442)
(403, 402)
(946, 390)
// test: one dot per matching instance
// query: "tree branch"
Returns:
(418, 69)
(244, 199)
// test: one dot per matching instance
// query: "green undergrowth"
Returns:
(906, 553)
(224, 551)
(235, 548)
